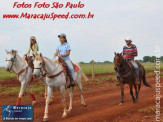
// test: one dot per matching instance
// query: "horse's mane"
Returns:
(50, 60)
(15, 51)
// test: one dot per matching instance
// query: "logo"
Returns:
(17, 112)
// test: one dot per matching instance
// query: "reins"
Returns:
(123, 66)
(51, 76)
(21, 71)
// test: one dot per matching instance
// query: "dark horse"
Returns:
(127, 75)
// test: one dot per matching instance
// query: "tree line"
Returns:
(145, 59)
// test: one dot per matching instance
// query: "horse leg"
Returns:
(131, 92)
(32, 94)
(45, 94)
(122, 94)
(136, 92)
(50, 90)
(23, 86)
(52, 97)
(139, 87)
(62, 89)
(71, 97)
(81, 93)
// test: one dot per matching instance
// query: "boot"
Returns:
(72, 84)
(137, 81)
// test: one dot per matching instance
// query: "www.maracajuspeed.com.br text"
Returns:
(44, 16)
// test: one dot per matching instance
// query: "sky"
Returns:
(90, 39)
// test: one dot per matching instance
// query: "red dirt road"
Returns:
(102, 104)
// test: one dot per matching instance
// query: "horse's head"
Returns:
(118, 60)
(10, 59)
(38, 65)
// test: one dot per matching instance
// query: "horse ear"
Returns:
(6, 51)
(16, 51)
(41, 55)
(115, 53)
(121, 54)
(13, 51)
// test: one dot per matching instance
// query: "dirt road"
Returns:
(102, 104)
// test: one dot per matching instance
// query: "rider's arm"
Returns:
(67, 54)
(68, 51)
(35, 48)
(134, 54)
(28, 50)
(56, 53)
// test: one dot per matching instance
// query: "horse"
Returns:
(55, 78)
(126, 75)
(23, 71)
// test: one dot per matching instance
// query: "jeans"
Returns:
(71, 67)
(135, 65)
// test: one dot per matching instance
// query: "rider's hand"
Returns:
(25, 55)
(60, 56)
(128, 54)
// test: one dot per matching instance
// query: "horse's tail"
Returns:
(84, 77)
(144, 78)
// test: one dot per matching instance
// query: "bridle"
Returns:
(11, 68)
(12, 61)
(48, 75)
(121, 66)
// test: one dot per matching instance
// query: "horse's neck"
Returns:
(51, 66)
(19, 64)
(126, 65)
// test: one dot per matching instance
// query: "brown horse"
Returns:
(127, 75)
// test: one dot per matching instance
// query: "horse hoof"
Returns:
(85, 105)
(64, 116)
(69, 110)
(45, 119)
(120, 104)
(135, 101)
(34, 102)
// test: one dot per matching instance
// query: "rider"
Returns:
(33, 47)
(63, 52)
(129, 53)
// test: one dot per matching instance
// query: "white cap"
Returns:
(127, 39)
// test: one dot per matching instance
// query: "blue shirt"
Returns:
(63, 48)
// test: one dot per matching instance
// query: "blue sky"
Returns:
(96, 38)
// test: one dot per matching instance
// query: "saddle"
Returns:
(76, 67)
(66, 69)
(131, 66)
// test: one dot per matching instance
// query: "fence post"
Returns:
(93, 70)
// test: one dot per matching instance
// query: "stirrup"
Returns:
(71, 85)
(137, 82)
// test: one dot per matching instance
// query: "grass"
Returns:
(35, 88)
(147, 110)
(86, 68)
(6, 75)
(99, 68)
(109, 68)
